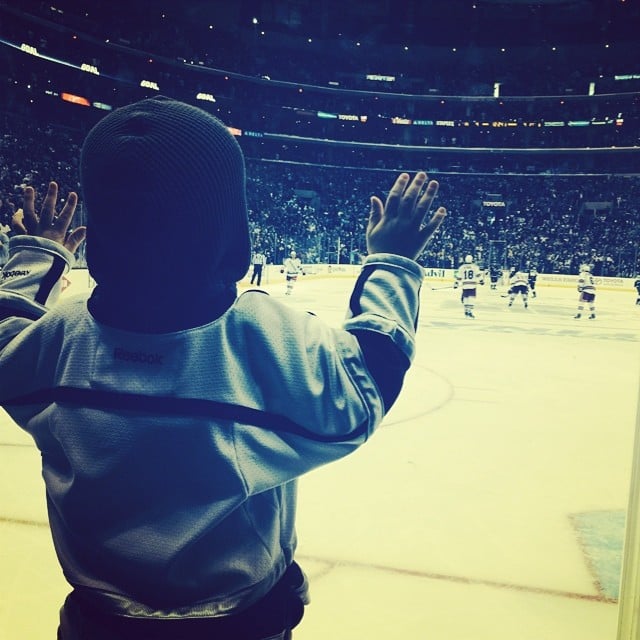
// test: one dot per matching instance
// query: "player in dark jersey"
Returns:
(532, 277)
(495, 273)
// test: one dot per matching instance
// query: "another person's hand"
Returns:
(399, 226)
(49, 224)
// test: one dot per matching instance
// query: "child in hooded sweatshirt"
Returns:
(173, 415)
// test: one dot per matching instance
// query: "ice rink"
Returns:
(490, 505)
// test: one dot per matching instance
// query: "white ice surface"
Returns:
(454, 521)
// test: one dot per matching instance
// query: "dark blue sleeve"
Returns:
(386, 363)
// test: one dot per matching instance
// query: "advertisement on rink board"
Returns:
(557, 280)
(78, 280)
(446, 276)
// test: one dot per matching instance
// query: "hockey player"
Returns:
(587, 291)
(519, 285)
(532, 277)
(636, 284)
(495, 272)
(291, 268)
(468, 276)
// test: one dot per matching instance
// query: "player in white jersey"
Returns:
(468, 276)
(519, 285)
(636, 284)
(587, 291)
(292, 267)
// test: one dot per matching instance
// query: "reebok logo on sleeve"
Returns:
(14, 273)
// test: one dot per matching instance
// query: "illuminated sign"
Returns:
(254, 134)
(27, 48)
(445, 123)
(205, 96)
(89, 68)
(493, 203)
(350, 117)
(424, 123)
(381, 78)
(70, 97)
(401, 121)
(628, 76)
(149, 84)
(103, 106)
(235, 131)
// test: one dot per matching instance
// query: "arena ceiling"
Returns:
(437, 22)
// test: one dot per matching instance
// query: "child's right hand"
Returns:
(398, 226)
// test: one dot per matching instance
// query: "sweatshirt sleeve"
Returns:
(383, 316)
(31, 282)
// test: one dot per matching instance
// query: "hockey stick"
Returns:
(439, 288)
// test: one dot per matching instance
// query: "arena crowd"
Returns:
(552, 222)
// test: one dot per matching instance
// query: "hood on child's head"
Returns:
(164, 189)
